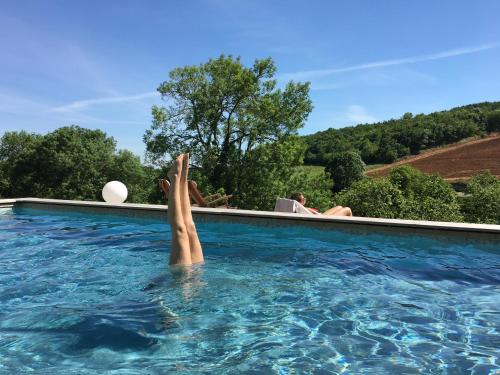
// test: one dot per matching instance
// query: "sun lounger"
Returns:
(212, 201)
(290, 206)
(215, 200)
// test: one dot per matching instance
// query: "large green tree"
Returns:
(226, 114)
(68, 163)
(71, 163)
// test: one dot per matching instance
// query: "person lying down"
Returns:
(337, 210)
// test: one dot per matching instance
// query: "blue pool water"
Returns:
(92, 294)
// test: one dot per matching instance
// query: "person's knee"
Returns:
(180, 229)
(348, 211)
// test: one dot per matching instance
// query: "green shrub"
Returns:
(406, 178)
(433, 199)
(345, 168)
(406, 194)
(372, 198)
(482, 202)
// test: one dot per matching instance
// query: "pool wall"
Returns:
(357, 224)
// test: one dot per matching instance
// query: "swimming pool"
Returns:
(86, 293)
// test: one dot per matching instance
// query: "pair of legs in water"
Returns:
(186, 247)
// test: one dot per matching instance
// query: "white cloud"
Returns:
(357, 114)
(13, 104)
(319, 86)
(311, 74)
(83, 104)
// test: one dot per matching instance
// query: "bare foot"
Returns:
(176, 167)
(165, 186)
(185, 167)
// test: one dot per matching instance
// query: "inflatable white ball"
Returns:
(114, 192)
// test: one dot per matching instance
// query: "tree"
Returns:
(406, 194)
(387, 141)
(493, 121)
(406, 178)
(268, 173)
(407, 116)
(431, 198)
(372, 197)
(71, 163)
(426, 197)
(482, 202)
(14, 146)
(224, 114)
(127, 168)
(345, 169)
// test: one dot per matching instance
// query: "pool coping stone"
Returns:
(232, 214)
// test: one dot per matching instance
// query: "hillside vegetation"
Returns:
(387, 141)
(454, 162)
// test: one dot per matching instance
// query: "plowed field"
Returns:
(458, 161)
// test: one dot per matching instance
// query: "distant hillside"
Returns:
(454, 162)
(384, 142)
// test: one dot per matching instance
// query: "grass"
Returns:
(373, 166)
(312, 169)
(316, 169)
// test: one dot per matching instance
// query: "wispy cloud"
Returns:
(11, 103)
(83, 104)
(310, 74)
(357, 114)
(320, 86)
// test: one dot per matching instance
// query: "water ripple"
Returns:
(92, 294)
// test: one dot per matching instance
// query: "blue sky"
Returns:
(97, 64)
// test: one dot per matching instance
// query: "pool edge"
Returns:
(159, 211)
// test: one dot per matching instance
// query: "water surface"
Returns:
(87, 294)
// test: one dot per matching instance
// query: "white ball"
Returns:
(114, 192)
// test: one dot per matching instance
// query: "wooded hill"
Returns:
(386, 141)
